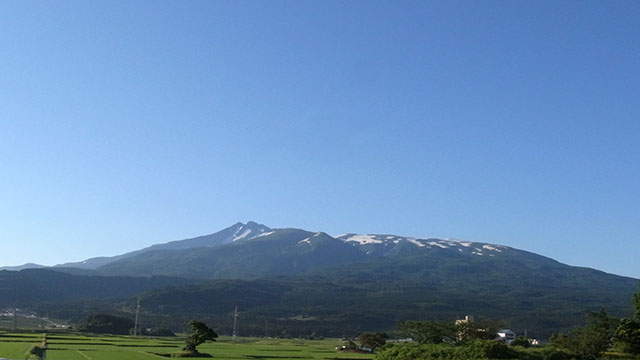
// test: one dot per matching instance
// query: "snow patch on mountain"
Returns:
(308, 240)
(363, 239)
(265, 234)
(243, 235)
(305, 241)
(492, 248)
(439, 244)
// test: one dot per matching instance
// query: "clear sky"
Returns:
(129, 123)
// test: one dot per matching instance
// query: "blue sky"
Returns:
(125, 124)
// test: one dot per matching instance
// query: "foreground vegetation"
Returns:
(484, 350)
(86, 347)
(602, 337)
(73, 346)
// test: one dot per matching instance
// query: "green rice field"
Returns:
(82, 347)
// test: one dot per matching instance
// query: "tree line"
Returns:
(476, 340)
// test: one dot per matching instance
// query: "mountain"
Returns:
(272, 253)
(22, 267)
(299, 282)
(233, 233)
(374, 281)
(250, 251)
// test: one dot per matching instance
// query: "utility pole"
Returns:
(14, 322)
(235, 323)
(135, 326)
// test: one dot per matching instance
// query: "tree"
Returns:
(200, 333)
(106, 324)
(636, 304)
(373, 340)
(628, 332)
(591, 340)
(628, 336)
(427, 332)
(521, 341)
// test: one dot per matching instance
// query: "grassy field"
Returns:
(80, 347)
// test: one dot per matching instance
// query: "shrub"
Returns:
(553, 353)
(479, 349)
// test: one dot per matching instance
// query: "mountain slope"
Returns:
(343, 303)
(233, 233)
(278, 252)
(37, 285)
(230, 254)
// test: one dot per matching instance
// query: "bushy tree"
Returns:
(591, 340)
(521, 341)
(106, 324)
(636, 304)
(373, 340)
(628, 336)
(561, 341)
(628, 332)
(478, 349)
(200, 333)
(427, 332)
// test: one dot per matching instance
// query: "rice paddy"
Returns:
(68, 346)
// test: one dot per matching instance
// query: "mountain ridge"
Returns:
(370, 244)
(226, 235)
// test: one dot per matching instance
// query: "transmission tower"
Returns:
(235, 323)
(135, 326)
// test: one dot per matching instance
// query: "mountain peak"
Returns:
(249, 230)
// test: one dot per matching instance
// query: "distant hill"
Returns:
(43, 285)
(67, 296)
(22, 267)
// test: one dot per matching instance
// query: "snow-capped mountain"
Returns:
(252, 250)
(370, 279)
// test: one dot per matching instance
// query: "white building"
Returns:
(506, 335)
